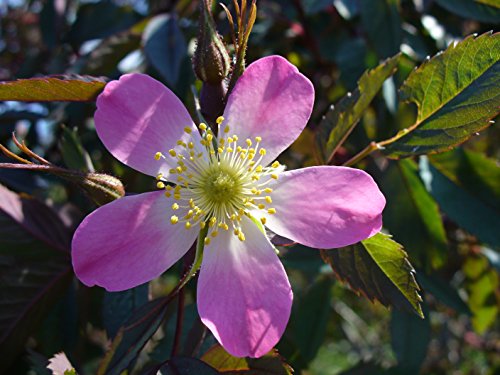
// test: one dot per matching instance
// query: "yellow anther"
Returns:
(259, 168)
(177, 188)
(188, 130)
(172, 152)
(187, 225)
(271, 211)
(276, 164)
(160, 185)
(222, 141)
(230, 140)
(168, 187)
(158, 155)
(261, 206)
(203, 225)
(212, 222)
(236, 231)
(262, 151)
(229, 149)
(174, 219)
(191, 145)
(210, 137)
(233, 217)
(268, 190)
(220, 150)
(258, 139)
(179, 169)
(181, 143)
(214, 234)
(255, 177)
(235, 137)
(189, 214)
(175, 206)
(172, 171)
(226, 129)
(207, 240)
(274, 175)
(268, 199)
(203, 126)
(167, 194)
(203, 142)
(159, 176)
(263, 220)
(219, 120)
(249, 142)
(191, 203)
(241, 236)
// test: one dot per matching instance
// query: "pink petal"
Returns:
(326, 207)
(244, 296)
(271, 100)
(138, 116)
(129, 242)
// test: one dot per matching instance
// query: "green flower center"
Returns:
(219, 181)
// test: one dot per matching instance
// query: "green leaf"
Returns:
(117, 307)
(482, 283)
(315, 6)
(133, 335)
(35, 269)
(184, 366)
(457, 95)
(93, 21)
(493, 3)
(24, 214)
(104, 59)
(412, 215)
(471, 9)
(222, 361)
(341, 119)
(310, 318)
(379, 269)
(410, 340)
(443, 292)
(68, 88)
(466, 185)
(74, 155)
(165, 46)
(382, 24)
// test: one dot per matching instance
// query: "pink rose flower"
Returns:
(229, 183)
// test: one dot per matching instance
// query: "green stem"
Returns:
(374, 146)
(197, 258)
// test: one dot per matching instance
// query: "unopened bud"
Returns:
(100, 187)
(211, 61)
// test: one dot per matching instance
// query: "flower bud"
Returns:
(101, 188)
(211, 61)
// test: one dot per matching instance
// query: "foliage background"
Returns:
(443, 209)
